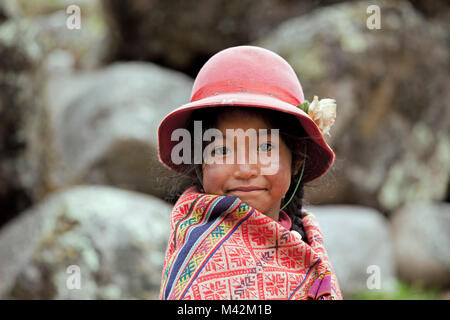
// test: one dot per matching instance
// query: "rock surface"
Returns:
(114, 240)
(105, 125)
(421, 234)
(22, 116)
(34, 41)
(359, 245)
(183, 35)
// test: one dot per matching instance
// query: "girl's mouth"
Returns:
(247, 190)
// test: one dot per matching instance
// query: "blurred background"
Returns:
(80, 182)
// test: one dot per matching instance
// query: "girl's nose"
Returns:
(246, 171)
(246, 161)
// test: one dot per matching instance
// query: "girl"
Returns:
(239, 230)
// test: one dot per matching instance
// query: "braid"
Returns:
(294, 209)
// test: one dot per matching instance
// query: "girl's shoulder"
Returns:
(309, 219)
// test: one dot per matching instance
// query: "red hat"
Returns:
(247, 76)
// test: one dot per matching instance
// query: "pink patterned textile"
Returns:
(222, 248)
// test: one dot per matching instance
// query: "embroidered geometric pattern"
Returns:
(222, 248)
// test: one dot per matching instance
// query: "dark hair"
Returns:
(291, 132)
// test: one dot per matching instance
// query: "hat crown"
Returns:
(248, 69)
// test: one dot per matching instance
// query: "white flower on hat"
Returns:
(322, 112)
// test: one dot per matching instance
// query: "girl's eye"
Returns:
(220, 150)
(266, 147)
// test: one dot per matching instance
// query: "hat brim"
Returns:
(320, 155)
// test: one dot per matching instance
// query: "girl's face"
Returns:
(224, 178)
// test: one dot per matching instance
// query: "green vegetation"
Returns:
(402, 291)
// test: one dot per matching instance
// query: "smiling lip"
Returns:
(247, 189)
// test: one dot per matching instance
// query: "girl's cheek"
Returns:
(214, 176)
(282, 178)
(283, 183)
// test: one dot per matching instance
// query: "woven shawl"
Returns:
(222, 248)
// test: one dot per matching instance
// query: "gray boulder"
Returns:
(22, 117)
(87, 242)
(105, 125)
(359, 246)
(182, 35)
(421, 234)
